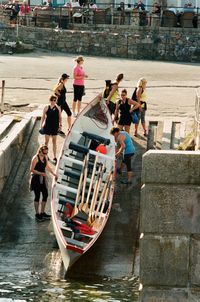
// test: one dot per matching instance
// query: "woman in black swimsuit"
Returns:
(124, 107)
(51, 122)
(60, 92)
(38, 181)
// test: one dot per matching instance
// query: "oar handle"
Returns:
(103, 193)
(91, 180)
(85, 178)
(106, 194)
(96, 192)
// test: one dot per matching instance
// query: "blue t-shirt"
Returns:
(129, 147)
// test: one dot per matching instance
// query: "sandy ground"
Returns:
(171, 86)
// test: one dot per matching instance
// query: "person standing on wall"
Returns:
(60, 92)
(114, 93)
(51, 122)
(38, 182)
(79, 88)
(139, 96)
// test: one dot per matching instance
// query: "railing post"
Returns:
(2, 96)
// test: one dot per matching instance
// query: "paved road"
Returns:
(30, 78)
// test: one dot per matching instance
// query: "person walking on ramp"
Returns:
(38, 181)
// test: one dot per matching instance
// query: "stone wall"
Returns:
(170, 227)
(176, 44)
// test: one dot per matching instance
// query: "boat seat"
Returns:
(63, 226)
(72, 174)
(66, 188)
(73, 160)
(63, 200)
(75, 242)
(100, 139)
(78, 148)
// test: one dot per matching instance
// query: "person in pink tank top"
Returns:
(78, 84)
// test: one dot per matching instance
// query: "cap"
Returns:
(65, 76)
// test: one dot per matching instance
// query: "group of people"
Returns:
(51, 124)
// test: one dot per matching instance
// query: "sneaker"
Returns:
(61, 132)
(45, 216)
(55, 161)
(39, 217)
(74, 114)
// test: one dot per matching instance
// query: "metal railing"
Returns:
(197, 120)
(63, 16)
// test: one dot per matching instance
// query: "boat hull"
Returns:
(94, 121)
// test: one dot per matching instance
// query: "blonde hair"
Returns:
(42, 147)
(142, 83)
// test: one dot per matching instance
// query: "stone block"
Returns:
(170, 209)
(195, 261)
(164, 260)
(173, 167)
(163, 295)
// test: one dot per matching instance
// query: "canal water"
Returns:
(25, 287)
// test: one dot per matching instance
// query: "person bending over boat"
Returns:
(126, 148)
(38, 181)
(51, 123)
(60, 92)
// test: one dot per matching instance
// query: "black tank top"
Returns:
(52, 120)
(124, 108)
(62, 97)
(41, 165)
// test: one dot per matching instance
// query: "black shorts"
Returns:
(111, 107)
(125, 120)
(66, 108)
(78, 92)
(127, 161)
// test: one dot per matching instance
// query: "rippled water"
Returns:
(26, 287)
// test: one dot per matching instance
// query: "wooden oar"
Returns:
(84, 183)
(95, 195)
(97, 222)
(101, 197)
(75, 210)
(85, 205)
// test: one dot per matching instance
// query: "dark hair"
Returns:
(120, 77)
(114, 130)
(63, 77)
(53, 98)
(124, 91)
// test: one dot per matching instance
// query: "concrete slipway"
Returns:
(27, 245)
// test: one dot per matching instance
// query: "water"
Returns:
(25, 287)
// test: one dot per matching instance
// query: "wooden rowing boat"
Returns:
(82, 194)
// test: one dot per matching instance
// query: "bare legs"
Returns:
(78, 105)
(69, 122)
(126, 128)
(54, 140)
